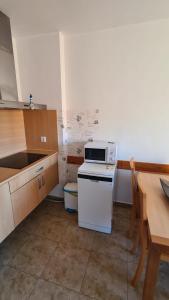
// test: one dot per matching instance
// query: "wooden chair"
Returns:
(144, 238)
(135, 207)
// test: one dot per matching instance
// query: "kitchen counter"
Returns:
(7, 173)
(22, 190)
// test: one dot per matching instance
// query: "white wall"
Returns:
(124, 72)
(39, 68)
(8, 88)
(37, 60)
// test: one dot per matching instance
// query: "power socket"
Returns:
(43, 139)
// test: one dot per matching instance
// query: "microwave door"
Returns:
(95, 155)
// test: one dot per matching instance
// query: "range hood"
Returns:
(4, 104)
(8, 84)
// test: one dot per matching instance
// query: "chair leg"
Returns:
(140, 267)
(135, 243)
(132, 222)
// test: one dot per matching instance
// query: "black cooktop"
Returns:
(20, 160)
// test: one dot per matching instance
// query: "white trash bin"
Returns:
(70, 196)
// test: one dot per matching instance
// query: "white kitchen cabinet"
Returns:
(24, 200)
(42, 191)
(21, 179)
(6, 214)
(51, 177)
(27, 197)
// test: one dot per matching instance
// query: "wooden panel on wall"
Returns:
(76, 160)
(125, 165)
(144, 167)
(41, 123)
(12, 132)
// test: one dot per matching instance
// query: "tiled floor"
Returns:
(49, 257)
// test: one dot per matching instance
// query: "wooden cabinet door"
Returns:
(6, 214)
(51, 177)
(25, 200)
(42, 191)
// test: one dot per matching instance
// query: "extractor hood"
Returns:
(4, 104)
(8, 86)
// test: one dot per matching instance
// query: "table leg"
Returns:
(151, 273)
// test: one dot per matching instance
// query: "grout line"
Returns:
(127, 282)
(37, 278)
(87, 264)
(58, 243)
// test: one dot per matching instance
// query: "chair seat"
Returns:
(165, 257)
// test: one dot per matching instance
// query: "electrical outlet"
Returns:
(43, 139)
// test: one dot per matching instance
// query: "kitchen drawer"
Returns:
(23, 178)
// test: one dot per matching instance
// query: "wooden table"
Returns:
(158, 220)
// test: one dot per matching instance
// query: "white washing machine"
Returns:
(95, 196)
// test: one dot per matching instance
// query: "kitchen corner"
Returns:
(28, 165)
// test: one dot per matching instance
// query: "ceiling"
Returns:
(29, 17)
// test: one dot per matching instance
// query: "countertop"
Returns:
(7, 173)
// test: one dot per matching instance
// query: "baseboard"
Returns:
(122, 204)
(54, 198)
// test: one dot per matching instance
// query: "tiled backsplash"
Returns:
(77, 127)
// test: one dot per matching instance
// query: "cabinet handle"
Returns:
(39, 183)
(43, 180)
(40, 169)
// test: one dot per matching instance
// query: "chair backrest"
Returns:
(143, 221)
(142, 204)
(134, 186)
(134, 183)
(132, 165)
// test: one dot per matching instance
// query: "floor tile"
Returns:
(57, 210)
(34, 255)
(114, 245)
(75, 261)
(46, 226)
(15, 285)
(78, 237)
(10, 246)
(121, 224)
(51, 207)
(105, 278)
(52, 227)
(67, 267)
(162, 287)
(122, 212)
(29, 225)
(45, 290)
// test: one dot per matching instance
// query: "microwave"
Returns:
(100, 152)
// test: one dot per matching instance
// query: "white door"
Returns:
(95, 204)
